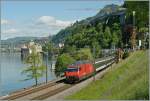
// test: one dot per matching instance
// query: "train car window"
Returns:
(72, 69)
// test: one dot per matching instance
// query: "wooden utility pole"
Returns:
(133, 34)
(133, 39)
(46, 66)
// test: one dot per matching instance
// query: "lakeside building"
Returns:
(61, 45)
(26, 49)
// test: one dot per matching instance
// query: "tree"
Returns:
(62, 62)
(96, 45)
(142, 35)
(48, 47)
(116, 35)
(36, 68)
(142, 12)
(69, 49)
(99, 27)
(106, 37)
(83, 54)
(114, 39)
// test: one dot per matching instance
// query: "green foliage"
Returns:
(106, 37)
(36, 68)
(48, 46)
(62, 62)
(114, 39)
(125, 54)
(93, 35)
(69, 49)
(97, 48)
(143, 29)
(83, 54)
(141, 9)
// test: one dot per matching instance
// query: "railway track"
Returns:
(44, 91)
(52, 92)
(22, 93)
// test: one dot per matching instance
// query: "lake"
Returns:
(11, 77)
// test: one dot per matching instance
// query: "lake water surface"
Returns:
(11, 77)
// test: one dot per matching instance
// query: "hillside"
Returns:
(110, 27)
(101, 17)
(127, 80)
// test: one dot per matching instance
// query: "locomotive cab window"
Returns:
(72, 69)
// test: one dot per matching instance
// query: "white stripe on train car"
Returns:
(101, 67)
(103, 60)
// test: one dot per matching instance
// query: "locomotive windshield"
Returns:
(72, 69)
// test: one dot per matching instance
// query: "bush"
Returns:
(125, 54)
(62, 62)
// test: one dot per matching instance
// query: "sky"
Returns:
(39, 18)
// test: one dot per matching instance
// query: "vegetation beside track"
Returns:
(128, 80)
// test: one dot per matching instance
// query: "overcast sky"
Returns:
(42, 18)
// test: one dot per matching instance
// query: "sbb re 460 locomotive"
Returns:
(78, 71)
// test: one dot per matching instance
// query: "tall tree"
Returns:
(114, 39)
(141, 9)
(36, 68)
(106, 37)
(96, 45)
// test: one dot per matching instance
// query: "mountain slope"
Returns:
(102, 16)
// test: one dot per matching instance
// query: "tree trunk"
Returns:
(36, 81)
(35, 72)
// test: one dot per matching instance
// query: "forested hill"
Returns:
(107, 28)
(102, 16)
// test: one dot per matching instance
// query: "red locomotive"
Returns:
(78, 71)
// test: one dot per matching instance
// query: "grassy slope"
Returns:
(128, 80)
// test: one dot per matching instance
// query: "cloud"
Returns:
(10, 31)
(5, 22)
(41, 27)
(53, 22)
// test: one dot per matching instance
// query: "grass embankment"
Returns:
(127, 80)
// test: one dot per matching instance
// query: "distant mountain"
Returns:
(18, 40)
(21, 40)
(102, 16)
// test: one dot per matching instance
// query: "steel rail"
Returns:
(31, 90)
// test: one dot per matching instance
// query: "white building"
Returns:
(38, 47)
(61, 45)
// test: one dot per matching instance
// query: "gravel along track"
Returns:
(52, 92)
(42, 93)
(31, 90)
